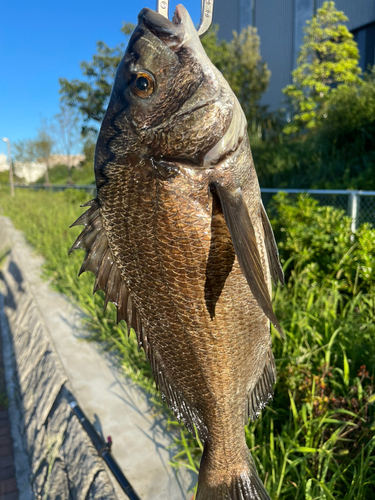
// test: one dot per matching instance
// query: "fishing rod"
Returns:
(104, 450)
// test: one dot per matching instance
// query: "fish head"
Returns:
(168, 102)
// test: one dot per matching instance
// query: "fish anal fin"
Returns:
(262, 393)
(245, 245)
(99, 260)
(277, 272)
(183, 411)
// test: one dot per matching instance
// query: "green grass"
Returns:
(316, 439)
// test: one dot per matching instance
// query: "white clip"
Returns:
(207, 9)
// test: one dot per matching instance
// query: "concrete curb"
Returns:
(49, 364)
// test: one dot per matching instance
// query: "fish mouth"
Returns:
(170, 32)
(173, 33)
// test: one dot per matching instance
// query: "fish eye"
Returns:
(143, 84)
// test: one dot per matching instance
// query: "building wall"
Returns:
(280, 26)
(274, 21)
(359, 12)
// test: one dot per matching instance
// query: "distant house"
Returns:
(75, 160)
(280, 26)
(29, 170)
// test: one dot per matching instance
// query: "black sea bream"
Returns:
(179, 240)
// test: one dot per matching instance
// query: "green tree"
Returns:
(328, 59)
(40, 149)
(67, 132)
(90, 96)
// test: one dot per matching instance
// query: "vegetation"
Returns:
(340, 154)
(316, 439)
(91, 95)
(61, 174)
(328, 60)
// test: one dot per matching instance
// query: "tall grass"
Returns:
(316, 439)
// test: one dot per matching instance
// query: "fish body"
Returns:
(179, 240)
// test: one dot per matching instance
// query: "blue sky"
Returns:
(41, 41)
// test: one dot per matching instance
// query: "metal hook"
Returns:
(162, 7)
(207, 10)
(207, 7)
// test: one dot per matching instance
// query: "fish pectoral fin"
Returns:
(245, 245)
(277, 272)
(100, 261)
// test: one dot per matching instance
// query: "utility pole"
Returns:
(10, 167)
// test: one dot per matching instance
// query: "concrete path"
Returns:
(116, 406)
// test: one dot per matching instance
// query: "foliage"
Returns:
(39, 149)
(316, 439)
(340, 154)
(328, 59)
(67, 133)
(90, 96)
(60, 174)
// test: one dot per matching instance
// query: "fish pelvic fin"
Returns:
(245, 245)
(243, 485)
(262, 393)
(100, 261)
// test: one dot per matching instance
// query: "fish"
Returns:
(180, 242)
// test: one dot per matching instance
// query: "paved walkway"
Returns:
(8, 486)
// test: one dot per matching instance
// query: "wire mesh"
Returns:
(367, 210)
(359, 205)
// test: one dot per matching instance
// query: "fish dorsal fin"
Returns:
(262, 393)
(277, 272)
(245, 245)
(99, 260)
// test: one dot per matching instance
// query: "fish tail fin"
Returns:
(244, 485)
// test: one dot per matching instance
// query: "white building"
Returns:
(29, 170)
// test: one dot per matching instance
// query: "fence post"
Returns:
(353, 209)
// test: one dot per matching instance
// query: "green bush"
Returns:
(340, 154)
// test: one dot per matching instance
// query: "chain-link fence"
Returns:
(359, 205)
(89, 188)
